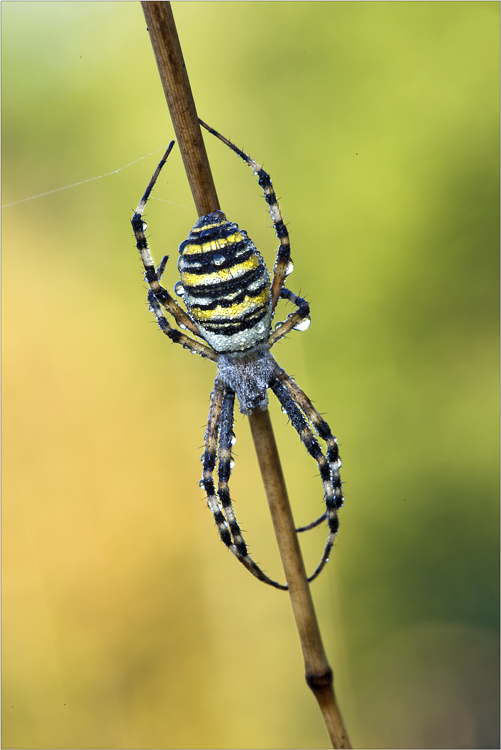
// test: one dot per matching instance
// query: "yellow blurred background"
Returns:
(126, 623)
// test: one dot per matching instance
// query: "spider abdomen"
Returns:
(226, 284)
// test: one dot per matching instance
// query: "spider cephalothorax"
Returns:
(230, 301)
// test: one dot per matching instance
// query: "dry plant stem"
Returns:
(176, 85)
(181, 105)
(317, 670)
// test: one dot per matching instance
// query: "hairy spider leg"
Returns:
(176, 336)
(220, 423)
(161, 267)
(313, 524)
(312, 446)
(239, 547)
(150, 273)
(324, 432)
(209, 462)
(302, 313)
(284, 251)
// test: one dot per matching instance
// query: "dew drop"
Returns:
(290, 268)
(209, 234)
(218, 259)
(179, 288)
(232, 464)
(201, 484)
(145, 226)
(180, 262)
(185, 328)
(260, 328)
(303, 325)
(233, 439)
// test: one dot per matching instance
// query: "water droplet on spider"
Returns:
(185, 328)
(232, 464)
(145, 226)
(218, 259)
(179, 288)
(303, 325)
(284, 411)
(290, 268)
(201, 484)
(260, 328)
(233, 439)
(180, 262)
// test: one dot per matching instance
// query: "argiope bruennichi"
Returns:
(230, 302)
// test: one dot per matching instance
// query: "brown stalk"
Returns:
(169, 57)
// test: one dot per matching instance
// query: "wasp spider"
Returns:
(230, 302)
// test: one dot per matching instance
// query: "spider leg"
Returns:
(151, 275)
(161, 267)
(302, 313)
(323, 430)
(239, 548)
(181, 317)
(209, 462)
(284, 251)
(220, 423)
(313, 524)
(278, 386)
(138, 227)
(176, 336)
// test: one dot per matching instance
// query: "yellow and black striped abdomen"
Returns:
(226, 284)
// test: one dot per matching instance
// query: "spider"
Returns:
(230, 305)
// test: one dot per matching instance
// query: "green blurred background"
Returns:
(126, 623)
